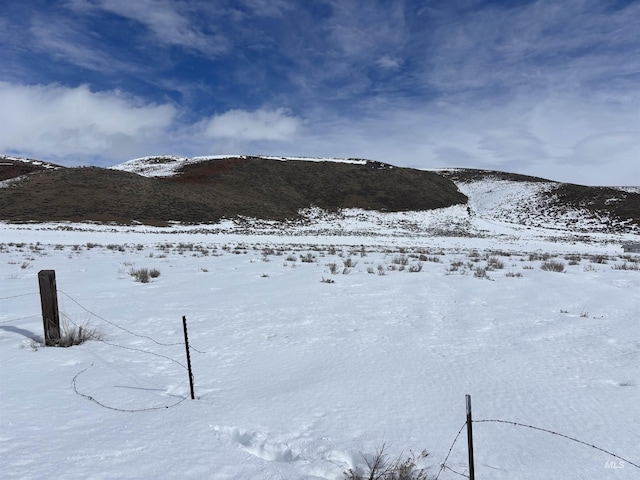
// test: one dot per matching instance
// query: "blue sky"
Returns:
(547, 88)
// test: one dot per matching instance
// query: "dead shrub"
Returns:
(380, 467)
(553, 266)
(144, 275)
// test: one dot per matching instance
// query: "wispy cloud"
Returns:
(364, 34)
(536, 46)
(164, 21)
(70, 43)
(262, 8)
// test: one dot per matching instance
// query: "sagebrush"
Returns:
(144, 275)
(380, 467)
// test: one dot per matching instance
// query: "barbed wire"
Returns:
(126, 410)
(116, 325)
(164, 344)
(21, 318)
(517, 424)
(147, 352)
(443, 465)
(98, 339)
(123, 328)
(18, 296)
(143, 351)
(447, 467)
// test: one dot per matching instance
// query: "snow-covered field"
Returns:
(316, 346)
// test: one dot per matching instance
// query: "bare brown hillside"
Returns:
(225, 188)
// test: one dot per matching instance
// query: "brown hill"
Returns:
(602, 201)
(210, 190)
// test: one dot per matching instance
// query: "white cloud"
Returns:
(388, 62)
(78, 126)
(241, 125)
(48, 121)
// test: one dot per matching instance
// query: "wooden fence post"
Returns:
(472, 474)
(49, 302)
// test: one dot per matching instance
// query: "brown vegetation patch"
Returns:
(600, 201)
(473, 175)
(207, 191)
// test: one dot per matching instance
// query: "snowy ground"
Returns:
(296, 377)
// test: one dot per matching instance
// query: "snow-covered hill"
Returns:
(496, 203)
(499, 204)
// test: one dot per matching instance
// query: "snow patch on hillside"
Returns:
(38, 163)
(11, 181)
(530, 204)
(511, 201)
(155, 166)
(168, 166)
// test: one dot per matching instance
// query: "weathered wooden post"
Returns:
(472, 474)
(49, 302)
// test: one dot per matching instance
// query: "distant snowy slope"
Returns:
(157, 166)
(509, 201)
(537, 203)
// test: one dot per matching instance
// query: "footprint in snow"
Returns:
(258, 444)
